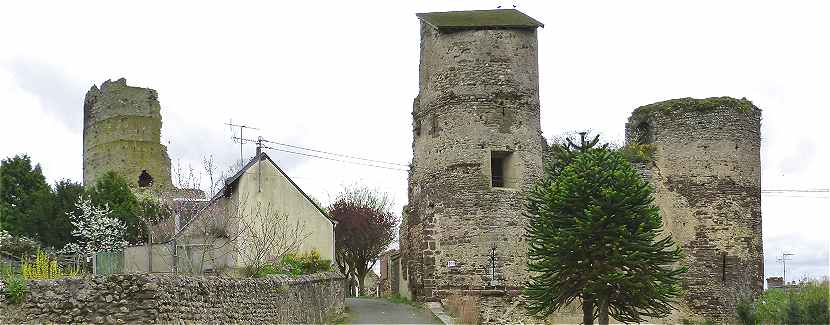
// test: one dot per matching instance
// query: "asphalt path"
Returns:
(381, 311)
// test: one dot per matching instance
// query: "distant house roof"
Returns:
(480, 19)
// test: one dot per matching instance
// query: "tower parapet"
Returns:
(707, 180)
(122, 133)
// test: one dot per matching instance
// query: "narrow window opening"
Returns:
(434, 125)
(418, 128)
(644, 133)
(501, 169)
(497, 170)
(145, 179)
(723, 267)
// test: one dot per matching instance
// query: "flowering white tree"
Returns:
(96, 230)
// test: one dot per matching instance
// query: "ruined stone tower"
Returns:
(122, 131)
(477, 147)
(707, 180)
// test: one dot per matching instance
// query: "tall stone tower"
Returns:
(707, 180)
(477, 147)
(122, 133)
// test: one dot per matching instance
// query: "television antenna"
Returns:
(783, 260)
(241, 139)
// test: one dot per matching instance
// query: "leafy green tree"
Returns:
(56, 229)
(595, 234)
(23, 190)
(114, 191)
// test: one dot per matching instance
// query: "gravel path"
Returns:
(380, 311)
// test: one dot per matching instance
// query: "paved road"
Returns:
(380, 311)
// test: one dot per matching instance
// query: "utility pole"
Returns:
(241, 138)
(783, 259)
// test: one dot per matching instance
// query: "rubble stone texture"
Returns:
(170, 298)
(478, 97)
(707, 180)
(122, 133)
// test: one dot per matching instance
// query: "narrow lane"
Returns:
(381, 311)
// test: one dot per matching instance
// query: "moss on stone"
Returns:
(706, 105)
(476, 19)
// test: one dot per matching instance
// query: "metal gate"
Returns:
(109, 262)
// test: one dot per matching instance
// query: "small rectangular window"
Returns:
(497, 168)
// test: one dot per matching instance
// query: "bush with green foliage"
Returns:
(14, 287)
(44, 267)
(295, 265)
(17, 247)
(804, 304)
(114, 191)
(638, 153)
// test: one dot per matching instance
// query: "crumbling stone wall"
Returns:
(478, 94)
(168, 298)
(707, 180)
(122, 133)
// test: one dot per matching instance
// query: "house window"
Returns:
(502, 173)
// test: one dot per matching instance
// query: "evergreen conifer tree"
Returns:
(594, 234)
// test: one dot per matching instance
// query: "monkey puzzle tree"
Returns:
(595, 234)
(366, 227)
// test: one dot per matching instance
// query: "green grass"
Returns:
(343, 318)
(398, 299)
(705, 105)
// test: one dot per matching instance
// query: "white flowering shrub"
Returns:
(96, 230)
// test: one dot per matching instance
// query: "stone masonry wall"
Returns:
(707, 181)
(122, 133)
(478, 94)
(156, 298)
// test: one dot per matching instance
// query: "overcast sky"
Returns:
(341, 76)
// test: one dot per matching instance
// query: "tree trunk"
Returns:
(603, 312)
(587, 311)
(360, 279)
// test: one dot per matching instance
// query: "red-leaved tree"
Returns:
(366, 227)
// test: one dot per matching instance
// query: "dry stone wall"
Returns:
(122, 133)
(154, 298)
(707, 180)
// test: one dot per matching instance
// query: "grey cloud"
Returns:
(811, 259)
(60, 95)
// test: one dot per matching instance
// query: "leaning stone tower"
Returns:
(707, 180)
(122, 132)
(477, 146)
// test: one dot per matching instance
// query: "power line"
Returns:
(815, 190)
(335, 154)
(333, 159)
(800, 196)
